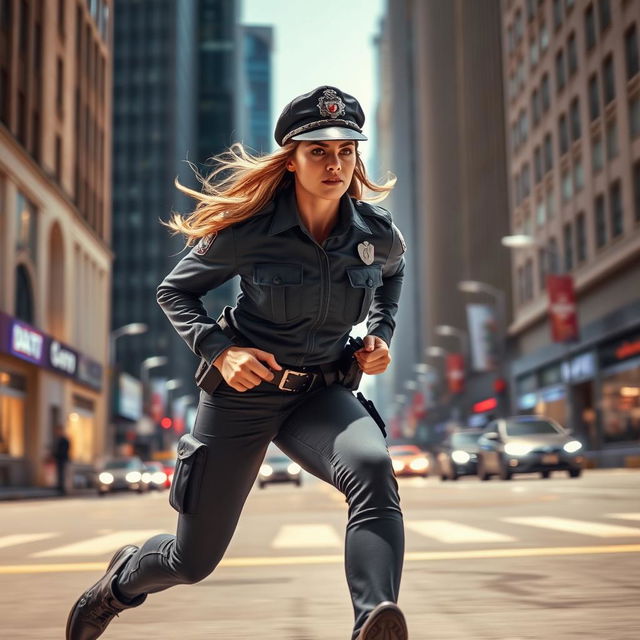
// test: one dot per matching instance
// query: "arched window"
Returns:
(24, 295)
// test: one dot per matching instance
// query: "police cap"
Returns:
(326, 113)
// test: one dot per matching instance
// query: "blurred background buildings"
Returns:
(514, 129)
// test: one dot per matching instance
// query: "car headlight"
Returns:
(460, 457)
(294, 469)
(133, 477)
(146, 477)
(419, 464)
(398, 465)
(516, 449)
(159, 477)
(572, 446)
(105, 477)
(266, 470)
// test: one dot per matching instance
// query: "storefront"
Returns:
(43, 383)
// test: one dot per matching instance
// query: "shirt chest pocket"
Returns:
(278, 286)
(361, 286)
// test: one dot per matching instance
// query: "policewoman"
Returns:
(314, 259)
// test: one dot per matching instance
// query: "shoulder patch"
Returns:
(204, 243)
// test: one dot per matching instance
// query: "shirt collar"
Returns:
(286, 215)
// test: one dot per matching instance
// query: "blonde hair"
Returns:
(243, 184)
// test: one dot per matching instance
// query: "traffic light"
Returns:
(166, 423)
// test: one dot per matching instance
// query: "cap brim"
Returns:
(331, 133)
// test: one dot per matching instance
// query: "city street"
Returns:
(520, 560)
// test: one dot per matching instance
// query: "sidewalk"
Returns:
(25, 493)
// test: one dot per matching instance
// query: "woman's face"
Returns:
(324, 168)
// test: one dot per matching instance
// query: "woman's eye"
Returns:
(347, 151)
(318, 150)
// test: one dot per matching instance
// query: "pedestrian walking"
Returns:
(314, 259)
(60, 453)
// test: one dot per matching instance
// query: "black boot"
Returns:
(95, 609)
(385, 622)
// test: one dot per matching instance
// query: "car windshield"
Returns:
(530, 427)
(464, 439)
(278, 460)
(120, 464)
(404, 451)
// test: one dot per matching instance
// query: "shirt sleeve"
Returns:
(381, 321)
(208, 265)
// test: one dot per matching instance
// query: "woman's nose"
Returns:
(333, 162)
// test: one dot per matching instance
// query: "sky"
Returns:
(316, 43)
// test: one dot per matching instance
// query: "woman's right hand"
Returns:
(242, 369)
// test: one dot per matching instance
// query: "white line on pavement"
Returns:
(453, 532)
(583, 527)
(99, 545)
(306, 536)
(23, 538)
(624, 516)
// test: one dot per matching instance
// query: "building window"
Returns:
(600, 220)
(612, 139)
(533, 52)
(594, 97)
(604, 14)
(597, 157)
(581, 238)
(608, 79)
(615, 207)
(560, 73)
(544, 38)
(574, 113)
(521, 287)
(58, 159)
(61, 17)
(528, 270)
(636, 190)
(541, 214)
(563, 134)
(545, 93)
(550, 207)
(59, 85)
(590, 28)
(634, 117)
(578, 175)
(567, 186)
(548, 153)
(24, 295)
(535, 107)
(631, 51)
(572, 54)
(542, 268)
(526, 180)
(537, 164)
(553, 254)
(557, 14)
(568, 247)
(26, 225)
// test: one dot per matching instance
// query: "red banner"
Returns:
(455, 372)
(563, 314)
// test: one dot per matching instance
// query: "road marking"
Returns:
(306, 536)
(23, 538)
(453, 532)
(577, 526)
(417, 556)
(99, 545)
(624, 516)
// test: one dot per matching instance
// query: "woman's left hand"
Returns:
(374, 357)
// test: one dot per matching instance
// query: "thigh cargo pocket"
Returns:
(187, 478)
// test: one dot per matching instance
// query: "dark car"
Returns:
(458, 454)
(158, 477)
(527, 444)
(279, 468)
(123, 474)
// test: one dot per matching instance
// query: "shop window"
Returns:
(13, 399)
(81, 427)
(621, 405)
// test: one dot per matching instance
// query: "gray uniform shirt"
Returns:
(299, 300)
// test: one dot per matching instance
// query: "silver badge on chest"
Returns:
(366, 252)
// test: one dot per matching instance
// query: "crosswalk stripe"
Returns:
(584, 527)
(23, 538)
(306, 536)
(454, 533)
(98, 545)
(624, 516)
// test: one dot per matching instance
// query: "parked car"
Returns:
(158, 477)
(279, 468)
(409, 460)
(123, 474)
(458, 454)
(169, 467)
(527, 444)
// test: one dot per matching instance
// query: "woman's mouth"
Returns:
(332, 181)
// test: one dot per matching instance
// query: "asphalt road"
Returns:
(521, 560)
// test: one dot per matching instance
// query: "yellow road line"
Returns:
(414, 556)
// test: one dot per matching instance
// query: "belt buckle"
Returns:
(288, 372)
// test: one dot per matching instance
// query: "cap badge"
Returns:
(365, 251)
(204, 243)
(330, 104)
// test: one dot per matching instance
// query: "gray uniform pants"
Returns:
(329, 434)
